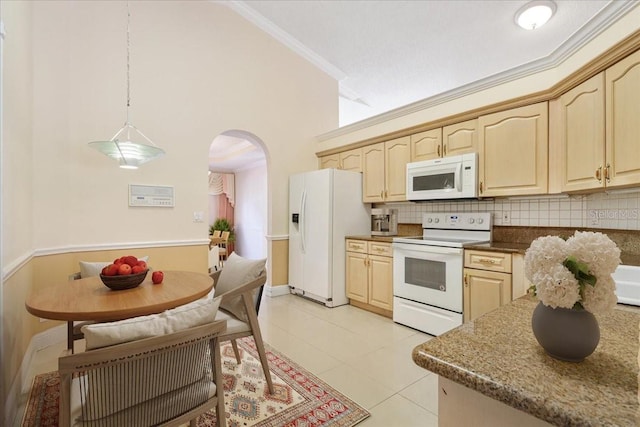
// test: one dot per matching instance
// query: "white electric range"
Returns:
(428, 270)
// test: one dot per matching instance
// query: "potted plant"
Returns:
(223, 225)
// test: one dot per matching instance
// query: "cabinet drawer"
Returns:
(357, 246)
(491, 261)
(377, 248)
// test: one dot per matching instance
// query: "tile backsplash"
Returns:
(602, 210)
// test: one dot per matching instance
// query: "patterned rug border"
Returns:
(307, 413)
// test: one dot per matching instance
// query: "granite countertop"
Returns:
(498, 356)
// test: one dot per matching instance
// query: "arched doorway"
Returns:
(242, 198)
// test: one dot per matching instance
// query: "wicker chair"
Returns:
(145, 382)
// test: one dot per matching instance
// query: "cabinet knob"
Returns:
(607, 173)
(438, 151)
(487, 261)
(480, 186)
(466, 281)
(444, 150)
(599, 174)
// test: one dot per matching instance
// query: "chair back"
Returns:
(225, 236)
(144, 382)
(216, 233)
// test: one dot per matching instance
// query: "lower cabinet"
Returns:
(487, 282)
(369, 276)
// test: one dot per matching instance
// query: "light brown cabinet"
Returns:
(487, 282)
(513, 151)
(452, 140)
(350, 160)
(577, 131)
(384, 170)
(622, 109)
(426, 145)
(369, 275)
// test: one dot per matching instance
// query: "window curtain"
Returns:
(222, 186)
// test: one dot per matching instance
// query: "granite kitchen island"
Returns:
(492, 371)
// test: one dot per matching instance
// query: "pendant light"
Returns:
(129, 147)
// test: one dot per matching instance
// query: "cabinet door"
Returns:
(351, 160)
(426, 145)
(373, 173)
(381, 281)
(513, 151)
(623, 122)
(484, 291)
(356, 272)
(330, 162)
(581, 136)
(460, 138)
(397, 155)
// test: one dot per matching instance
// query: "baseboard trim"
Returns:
(21, 385)
(276, 291)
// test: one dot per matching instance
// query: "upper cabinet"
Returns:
(350, 160)
(460, 138)
(595, 130)
(384, 170)
(426, 145)
(513, 149)
(577, 131)
(452, 140)
(622, 152)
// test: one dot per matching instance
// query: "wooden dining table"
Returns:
(90, 299)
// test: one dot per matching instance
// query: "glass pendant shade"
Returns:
(127, 152)
(124, 146)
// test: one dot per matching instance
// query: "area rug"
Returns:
(299, 399)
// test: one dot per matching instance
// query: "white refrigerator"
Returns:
(324, 207)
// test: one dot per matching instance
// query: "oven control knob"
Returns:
(471, 220)
(429, 220)
(480, 221)
(436, 220)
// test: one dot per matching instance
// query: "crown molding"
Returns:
(247, 12)
(611, 13)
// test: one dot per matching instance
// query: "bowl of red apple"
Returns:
(126, 272)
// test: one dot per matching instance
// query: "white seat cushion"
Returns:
(234, 325)
(187, 316)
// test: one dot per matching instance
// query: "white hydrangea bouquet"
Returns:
(574, 273)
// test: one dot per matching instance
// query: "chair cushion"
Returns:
(234, 325)
(236, 272)
(90, 269)
(186, 316)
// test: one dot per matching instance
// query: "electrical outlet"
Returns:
(506, 217)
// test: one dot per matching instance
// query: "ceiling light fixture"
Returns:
(535, 14)
(122, 147)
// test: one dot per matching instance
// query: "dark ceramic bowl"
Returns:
(118, 283)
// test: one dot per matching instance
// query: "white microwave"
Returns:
(453, 177)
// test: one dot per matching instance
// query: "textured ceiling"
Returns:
(388, 54)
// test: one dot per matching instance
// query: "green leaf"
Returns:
(580, 271)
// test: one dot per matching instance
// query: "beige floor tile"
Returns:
(424, 392)
(399, 412)
(365, 356)
(358, 387)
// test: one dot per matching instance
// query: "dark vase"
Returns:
(565, 334)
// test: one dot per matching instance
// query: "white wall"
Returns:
(251, 213)
(197, 69)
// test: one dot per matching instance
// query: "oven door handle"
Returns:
(416, 247)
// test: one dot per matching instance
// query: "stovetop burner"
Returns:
(452, 230)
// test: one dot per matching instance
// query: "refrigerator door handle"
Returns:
(303, 205)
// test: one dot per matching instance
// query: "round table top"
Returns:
(90, 299)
